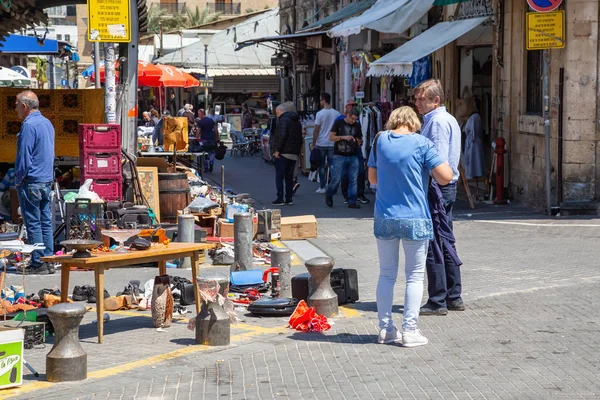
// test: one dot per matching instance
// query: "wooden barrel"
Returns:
(174, 195)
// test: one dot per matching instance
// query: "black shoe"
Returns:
(428, 309)
(289, 202)
(353, 205)
(456, 305)
(51, 269)
(210, 168)
(92, 294)
(329, 201)
(346, 201)
(80, 293)
(34, 270)
(54, 292)
(363, 199)
(277, 202)
(296, 187)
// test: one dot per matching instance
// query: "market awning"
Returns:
(391, 16)
(349, 11)
(18, 44)
(295, 36)
(399, 62)
(213, 72)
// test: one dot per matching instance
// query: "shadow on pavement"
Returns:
(337, 338)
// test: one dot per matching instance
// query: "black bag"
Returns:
(315, 159)
(187, 294)
(275, 307)
(220, 152)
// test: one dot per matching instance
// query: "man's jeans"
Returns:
(414, 269)
(342, 166)
(444, 282)
(284, 171)
(360, 184)
(326, 154)
(34, 199)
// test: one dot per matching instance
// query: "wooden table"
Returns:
(103, 261)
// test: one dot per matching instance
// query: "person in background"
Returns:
(246, 117)
(399, 165)
(345, 134)
(148, 121)
(206, 135)
(188, 112)
(155, 116)
(172, 104)
(287, 144)
(361, 179)
(444, 280)
(324, 121)
(34, 174)
(157, 135)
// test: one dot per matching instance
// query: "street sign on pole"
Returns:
(206, 82)
(109, 21)
(546, 30)
(544, 5)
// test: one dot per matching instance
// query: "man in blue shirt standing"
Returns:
(444, 281)
(34, 173)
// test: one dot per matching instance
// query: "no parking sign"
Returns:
(544, 5)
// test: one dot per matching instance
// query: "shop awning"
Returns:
(349, 11)
(18, 44)
(295, 36)
(391, 16)
(399, 62)
(212, 72)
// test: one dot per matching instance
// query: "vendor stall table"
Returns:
(198, 158)
(103, 261)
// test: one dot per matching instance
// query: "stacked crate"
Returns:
(100, 159)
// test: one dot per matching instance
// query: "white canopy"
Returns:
(399, 62)
(8, 77)
(392, 16)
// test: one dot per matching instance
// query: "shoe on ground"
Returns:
(428, 309)
(346, 201)
(289, 202)
(457, 305)
(277, 202)
(92, 294)
(329, 201)
(80, 293)
(386, 337)
(42, 269)
(353, 205)
(413, 339)
(296, 187)
(51, 268)
(363, 200)
(321, 190)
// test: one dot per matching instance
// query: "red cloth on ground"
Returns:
(306, 319)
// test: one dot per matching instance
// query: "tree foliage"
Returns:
(175, 21)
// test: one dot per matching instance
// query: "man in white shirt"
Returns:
(323, 124)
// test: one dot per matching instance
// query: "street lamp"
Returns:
(206, 38)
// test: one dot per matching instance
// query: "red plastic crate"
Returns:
(100, 138)
(100, 164)
(108, 189)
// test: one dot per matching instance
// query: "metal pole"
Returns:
(160, 28)
(243, 231)
(280, 258)
(98, 84)
(547, 130)
(185, 234)
(205, 77)
(110, 87)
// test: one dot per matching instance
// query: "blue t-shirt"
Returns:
(207, 129)
(403, 163)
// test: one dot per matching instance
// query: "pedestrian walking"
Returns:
(157, 134)
(206, 135)
(346, 135)
(34, 174)
(444, 280)
(324, 121)
(399, 164)
(287, 144)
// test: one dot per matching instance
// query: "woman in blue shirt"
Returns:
(399, 165)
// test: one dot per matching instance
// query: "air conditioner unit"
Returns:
(304, 57)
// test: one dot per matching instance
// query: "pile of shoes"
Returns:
(86, 293)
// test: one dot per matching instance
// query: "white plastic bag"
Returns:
(86, 193)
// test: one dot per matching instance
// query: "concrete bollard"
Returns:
(280, 258)
(243, 232)
(66, 361)
(213, 327)
(320, 294)
(185, 234)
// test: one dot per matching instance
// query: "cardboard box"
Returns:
(226, 228)
(300, 227)
(11, 362)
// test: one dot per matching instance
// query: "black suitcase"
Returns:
(344, 283)
(273, 306)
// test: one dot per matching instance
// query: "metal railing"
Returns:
(171, 8)
(225, 8)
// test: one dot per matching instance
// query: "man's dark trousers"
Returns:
(284, 172)
(444, 282)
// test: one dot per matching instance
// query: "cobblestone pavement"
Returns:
(530, 331)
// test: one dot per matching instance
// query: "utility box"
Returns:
(11, 358)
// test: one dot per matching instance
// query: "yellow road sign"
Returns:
(546, 30)
(109, 21)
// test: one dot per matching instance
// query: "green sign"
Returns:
(11, 360)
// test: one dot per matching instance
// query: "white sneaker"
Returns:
(386, 337)
(413, 339)
(321, 190)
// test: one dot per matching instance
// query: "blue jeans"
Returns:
(444, 281)
(342, 166)
(360, 180)
(415, 252)
(34, 199)
(326, 154)
(284, 172)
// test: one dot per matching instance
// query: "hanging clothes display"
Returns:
(421, 71)
(473, 159)
(360, 66)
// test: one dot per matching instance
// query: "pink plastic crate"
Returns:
(100, 137)
(108, 189)
(101, 164)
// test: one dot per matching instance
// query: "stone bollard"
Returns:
(67, 361)
(243, 232)
(320, 294)
(185, 233)
(213, 327)
(280, 258)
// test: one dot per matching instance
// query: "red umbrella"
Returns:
(176, 77)
(148, 74)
